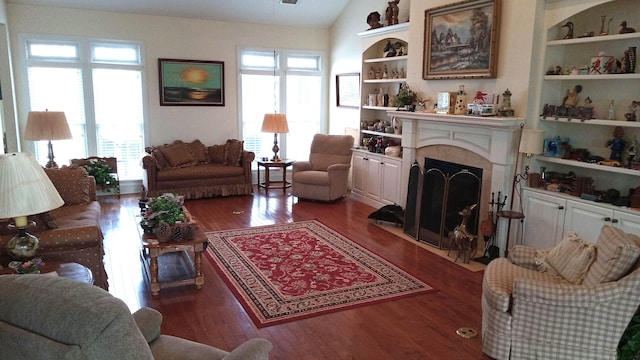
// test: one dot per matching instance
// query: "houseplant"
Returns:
(405, 96)
(168, 215)
(103, 174)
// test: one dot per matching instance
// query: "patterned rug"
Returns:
(287, 272)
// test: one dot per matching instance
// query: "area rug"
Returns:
(292, 271)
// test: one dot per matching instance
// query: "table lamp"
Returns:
(276, 124)
(47, 125)
(25, 189)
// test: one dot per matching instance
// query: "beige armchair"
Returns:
(531, 313)
(326, 175)
(47, 317)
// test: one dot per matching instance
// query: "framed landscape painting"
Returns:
(191, 82)
(461, 40)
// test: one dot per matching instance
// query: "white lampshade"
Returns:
(532, 141)
(275, 123)
(25, 189)
(47, 125)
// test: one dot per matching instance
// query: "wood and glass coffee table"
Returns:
(170, 264)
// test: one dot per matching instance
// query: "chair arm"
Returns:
(337, 168)
(254, 349)
(524, 256)
(150, 166)
(148, 321)
(302, 166)
(246, 160)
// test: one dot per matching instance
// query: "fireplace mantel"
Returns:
(495, 139)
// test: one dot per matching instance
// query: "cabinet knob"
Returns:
(560, 207)
(381, 163)
(614, 221)
(607, 219)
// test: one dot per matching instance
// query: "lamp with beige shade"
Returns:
(47, 125)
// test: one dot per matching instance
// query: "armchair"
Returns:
(56, 318)
(326, 175)
(531, 314)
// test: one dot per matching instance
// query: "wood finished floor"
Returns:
(418, 327)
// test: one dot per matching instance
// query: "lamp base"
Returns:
(23, 245)
(275, 148)
(51, 164)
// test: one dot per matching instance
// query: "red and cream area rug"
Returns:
(291, 271)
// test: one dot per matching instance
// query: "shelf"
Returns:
(387, 59)
(365, 151)
(378, 108)
(584, 165)
(628, 124)
(385, 30)
(378, 133)
(380, 81)
(593, 77)
(593, 39)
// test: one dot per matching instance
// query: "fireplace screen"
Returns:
(436, 195)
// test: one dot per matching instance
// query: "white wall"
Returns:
(165, 37)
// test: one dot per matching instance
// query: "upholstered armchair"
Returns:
(570, 302)
(43, 316)
(326, 175)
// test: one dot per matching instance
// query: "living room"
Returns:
(518, 67)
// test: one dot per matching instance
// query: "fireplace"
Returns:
(441, 190)
(485, 143)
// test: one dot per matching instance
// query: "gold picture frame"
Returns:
(191, 82)
(461, 40)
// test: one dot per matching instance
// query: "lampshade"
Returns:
(25, 189)
(47, 125)
(275, 123)
(532, 141)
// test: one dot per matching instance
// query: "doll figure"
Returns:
(616, 144)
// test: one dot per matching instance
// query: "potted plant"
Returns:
(168, 215)
(103, 174)
(405, 96)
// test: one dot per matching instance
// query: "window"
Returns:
(284, 82)
(99, 87)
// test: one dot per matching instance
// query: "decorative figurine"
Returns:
(568, 25)
(625, 29)
(616, 144)
(506, 110)
(374, 20)
(461, 102)
(612, 111)
(634, 111)
(602, 29)
(571, 98)
(392, 12)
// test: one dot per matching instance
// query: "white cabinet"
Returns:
(549, 216)
(376, 178)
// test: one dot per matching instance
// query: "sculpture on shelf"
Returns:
(616, 144)
(571, 98)
(461, 240)
(568, 25)
(625, 29)
(374, 20)
(392, 12)
(634, 111)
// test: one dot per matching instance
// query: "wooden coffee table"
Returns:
(178, 268)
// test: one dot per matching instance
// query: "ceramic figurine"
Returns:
(571, 98)
(625, 29)
(616, 144)
(568, 25)
(392, 12)
(374, 20)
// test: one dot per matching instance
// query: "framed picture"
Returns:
(348, 90)
(461, 40)
(191, 82)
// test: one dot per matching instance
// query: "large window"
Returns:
(99, 86)
(285, 82)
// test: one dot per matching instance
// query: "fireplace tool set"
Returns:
(488, 229)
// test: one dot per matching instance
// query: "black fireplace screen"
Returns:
(436, 195)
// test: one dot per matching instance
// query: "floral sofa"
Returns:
(72, 232)
(198, 171)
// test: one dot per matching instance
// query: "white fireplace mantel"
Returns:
(493, 138)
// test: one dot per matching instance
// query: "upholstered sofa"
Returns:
(72, 232)
(570, 302)
(198, 171)
(45, 317)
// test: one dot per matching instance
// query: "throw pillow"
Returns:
(154, 151)
(178, 155)
(570, 259)
(233, 152)
(71, 184)
(198, 151)
(216, 154)
(617, 254)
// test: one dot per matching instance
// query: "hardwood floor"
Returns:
(418, 327)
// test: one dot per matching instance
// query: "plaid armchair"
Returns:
(530, 314)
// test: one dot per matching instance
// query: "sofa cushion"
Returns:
(617, 252)
(216, 154)
(198, 151)
(72, 184)
(570, 259)
(233, 152)
(178, 155)
(197, 172)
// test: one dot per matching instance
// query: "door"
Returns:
(544, 219)
(586, 219)
(628, 223)
(390, 193)
(359, 179)
(374, 178)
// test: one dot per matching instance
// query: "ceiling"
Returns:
(306, 13)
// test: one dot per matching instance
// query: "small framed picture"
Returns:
(191, 82)
(348, 90)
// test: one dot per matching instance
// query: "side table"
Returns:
(267, 165)
(73, 271)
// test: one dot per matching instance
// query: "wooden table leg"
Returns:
(266, 179)
(198, 267)
(153, 268)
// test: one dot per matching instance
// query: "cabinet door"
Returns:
(373, 180)
(544, 219)
(390, 178)
(628, 223)
(586, 219)
(359, 178)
